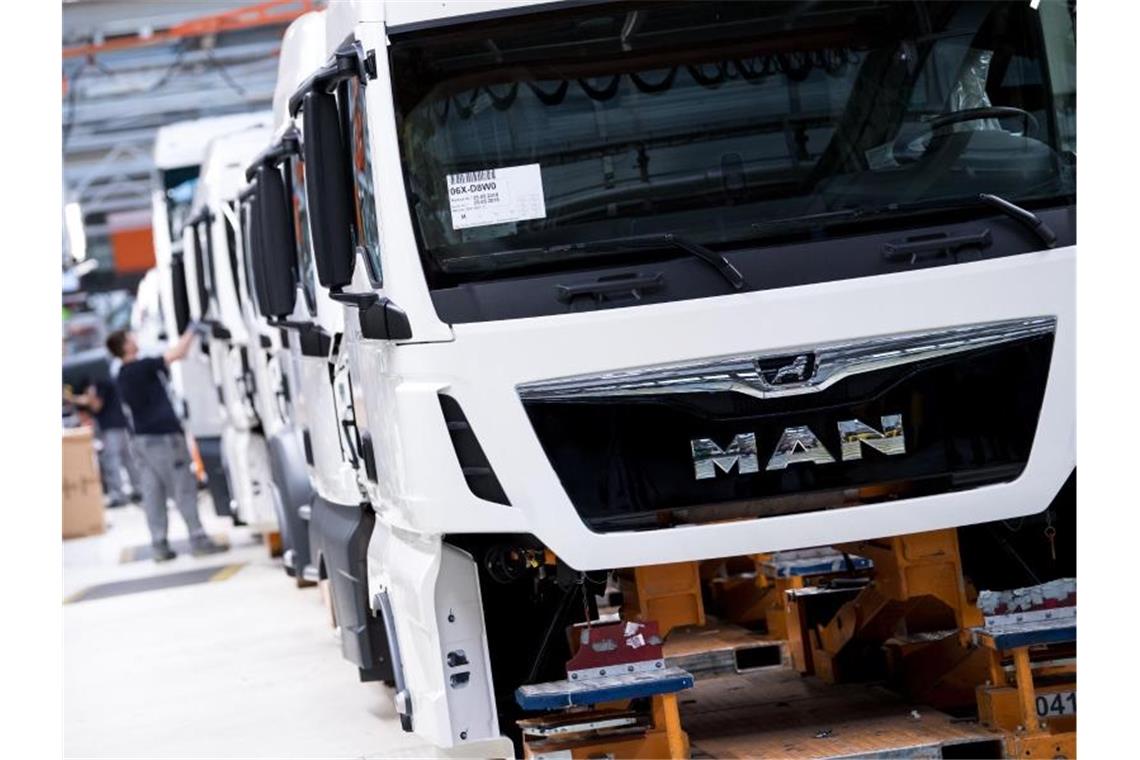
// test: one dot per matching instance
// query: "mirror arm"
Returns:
(289, 145)
(218, 330)
(287, 323)
(359, 300)
(348, 61)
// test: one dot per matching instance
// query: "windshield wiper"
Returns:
(1023, 216)
(819, 221)
(638, 242)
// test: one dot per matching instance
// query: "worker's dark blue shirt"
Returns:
(111, 415)
(144, 391)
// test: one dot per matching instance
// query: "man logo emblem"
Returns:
(798, 445)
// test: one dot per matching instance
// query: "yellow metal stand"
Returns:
(918, 588)
(921, 564)
(1012, 708)
(669, 594)
(274, 543)
(663, 739)
(754, 597)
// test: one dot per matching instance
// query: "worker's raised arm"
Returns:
(87, 401)
(179, 350)
(92, 399)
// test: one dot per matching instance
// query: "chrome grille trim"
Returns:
(833, 362)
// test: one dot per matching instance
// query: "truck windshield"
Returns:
(722, 122)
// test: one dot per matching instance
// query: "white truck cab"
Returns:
(210, 240)
(179, 150)
(632, 286)
(285, 283)
(148, 322)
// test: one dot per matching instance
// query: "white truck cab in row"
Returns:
(311, 325)
(628, 286)
(210, 247)
(179, 151)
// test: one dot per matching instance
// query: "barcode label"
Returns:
(464, 177)
(496, 196)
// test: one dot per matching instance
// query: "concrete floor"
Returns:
(246, 666)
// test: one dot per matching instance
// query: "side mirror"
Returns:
(328, 187)
(255, 253)
(277, 274)
(193, 268)
(204, 246)
(180, 296)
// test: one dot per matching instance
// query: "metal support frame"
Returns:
(664, 737)
(262, 14)
(669, 594)
(908, 624)
(1041, 666)
(138, 69)
(762, 592)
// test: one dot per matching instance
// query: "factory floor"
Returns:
(235, 663)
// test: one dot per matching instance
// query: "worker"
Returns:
(101, 401)
(159, 442)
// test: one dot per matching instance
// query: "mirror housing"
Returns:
(180, 297)
(328, 188)
(276, 272)
(192, 254)
(380, 318)
(255, 253)
(384, 320)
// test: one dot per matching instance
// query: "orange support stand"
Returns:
(274, 544)
(753, 597)
(917, 608)
(922, 564)
(662, 738)
(1013, 709)
(669, 594)
(667, 716)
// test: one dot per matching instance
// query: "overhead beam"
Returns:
(262, 14)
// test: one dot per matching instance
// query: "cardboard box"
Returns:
(82, 488)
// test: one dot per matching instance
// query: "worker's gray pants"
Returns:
(164, 464)
(114, 457)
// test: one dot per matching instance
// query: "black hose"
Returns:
(563, 604)
(1013, 553)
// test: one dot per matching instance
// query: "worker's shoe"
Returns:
(163, 552)
(203, 546)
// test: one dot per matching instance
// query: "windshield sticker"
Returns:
(496, 196)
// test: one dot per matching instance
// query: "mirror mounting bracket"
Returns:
(288, 145)
(359, 300)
